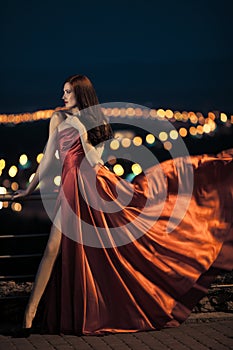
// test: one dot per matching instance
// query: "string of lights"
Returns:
(186, 124)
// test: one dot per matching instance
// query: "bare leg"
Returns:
(43, 275)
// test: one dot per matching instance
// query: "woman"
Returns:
(110, 264)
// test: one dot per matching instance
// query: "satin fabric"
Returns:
(156, 279)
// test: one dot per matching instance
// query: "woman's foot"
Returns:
(21, 332)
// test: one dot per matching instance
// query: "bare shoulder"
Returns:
(56, 119)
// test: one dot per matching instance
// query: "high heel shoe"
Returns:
(21, 332)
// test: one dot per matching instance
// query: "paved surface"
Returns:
(200, 332)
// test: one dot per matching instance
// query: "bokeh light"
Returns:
(150, 139)
(137, 140)
(136, 169)
(23, 159)
(57, 180)
(115, 144)
(31, 177)
(39, 157)
(118, 169)
(163, 136)
(13, 171)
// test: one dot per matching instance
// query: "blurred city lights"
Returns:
(183, 132)
(174, 134)
(118, 169)
(23, 159)
(16, 206)
(2, 164)
(31, 177)
(150, 139)
(13, 171)
(115, 144)
(57, 180)
(39, 157)
(167, 145)
(223, 117)
(163, 136)
(125, 142)
(136, 169)
(14, 186)
(2, 191)
(137, 140)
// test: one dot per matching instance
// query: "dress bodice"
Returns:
(70, 147)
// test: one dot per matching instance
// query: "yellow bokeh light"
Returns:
(16, 206)
(150, 139)
(136, 169)
(115, 144)
(14, 186)
(57, 180)
(174, 134)
(169, 114)
(211, 115)
(5, 204)
(39, 157)
(185, 116)
(206, 128)
(138, 112)
(31, 177)
(193, 131)
(13, 171)
(2, 164)
(200, 129)
(161, 113)
(163, 136)
(116, 112)
(118, 169)
(23, 159)
(193, 118)
(2, 190)
(178, 116)
(125, 142)
(153, 113)
(223, 117)
(183, 132)
(130, 112)
(137, 140)
(167, 145)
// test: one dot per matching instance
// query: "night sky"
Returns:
(168, 54)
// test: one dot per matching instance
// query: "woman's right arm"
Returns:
(42, 168)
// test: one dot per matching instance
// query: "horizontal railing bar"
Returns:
(12, 277)
(30, 235)
(14, 297)
(20, 256)
(221, 285)
(8, 197)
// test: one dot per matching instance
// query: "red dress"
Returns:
(144, 263)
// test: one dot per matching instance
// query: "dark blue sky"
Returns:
(173, 54)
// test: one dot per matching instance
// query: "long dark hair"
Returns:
(91, 114)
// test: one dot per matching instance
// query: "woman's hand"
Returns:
(20, 194)
(75, 122)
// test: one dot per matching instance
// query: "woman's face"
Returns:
(69, 96)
